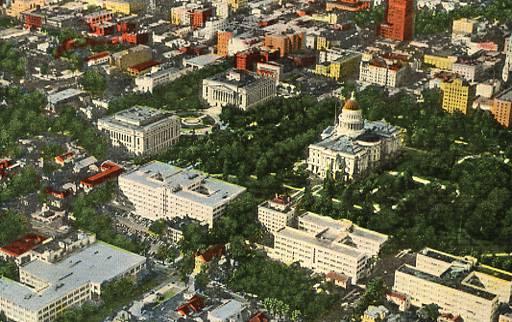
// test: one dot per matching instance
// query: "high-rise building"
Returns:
(223, 38)
(458, 94)
(287, 42)
(399, 23)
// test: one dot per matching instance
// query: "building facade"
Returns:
(287, 43)
(458, 285)
(141, 130)
(502, 108)
(276, 213)
(160, 191)
(458, 95)
(47, 288)
(238, 88)
(132, 56)
(399, 20)
(381, 70)
(326, 245)
(352, 147)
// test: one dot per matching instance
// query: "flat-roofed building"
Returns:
(326, 245)
(458, 285)
(238, 88)
(458, 94)
(132, 56)
(276, 213)
(158, 190)
(147, 82)
(47, 289)
(141, 130)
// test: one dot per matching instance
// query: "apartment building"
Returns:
(223, 38)
(458, 285)
(141, 130)
(161, 191)
(458, 94)
(238, 88)
(501, 108)
(471, 70)
(276, 213)
(46, 288)
(463, 29)
(326, 245)
(386, 70)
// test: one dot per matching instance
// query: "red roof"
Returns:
(4, 164)
(212, 252)
(259, 317)
(109, 170)
(61, 194)
(195, 304)
(98, 55)
(63, 157)
(143, 66)
(22, 245)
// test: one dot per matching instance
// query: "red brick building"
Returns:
(199, 17)
(223, 38)
(399, 20)
(246, 60)
(32, 20)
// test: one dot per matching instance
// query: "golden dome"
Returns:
(351, 104)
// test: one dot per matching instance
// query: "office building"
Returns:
(47, 288)
(458, 94)
(458, 285)
(507, 68)
(326, 245)
(223, 38)
(502, 108)
(161, 191)
(399, 20)
(238, 88)
(440, 61)
(354, 146)
(141, 130)
(471, 70)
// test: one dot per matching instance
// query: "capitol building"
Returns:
(354, 146)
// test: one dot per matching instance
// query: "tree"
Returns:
(94, 82)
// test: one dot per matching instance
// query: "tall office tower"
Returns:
(399, 23)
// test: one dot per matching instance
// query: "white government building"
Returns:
(238, 88)
(158, 190)
(141, 130)
(354, 146)
(458, 285)
(47, 288)
(326, 245)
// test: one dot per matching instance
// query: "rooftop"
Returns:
(449, 279)
(137, 117)
(506, 95)
(97, 263)
(22, 245)
(226, 310)
(187, 184)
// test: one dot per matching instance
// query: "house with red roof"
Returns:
(207, 256)
(20, 248)
(108, 171)
(194, 305)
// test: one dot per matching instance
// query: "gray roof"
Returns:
(137, 117)
(97, 263)
(226, 310)
(66, 94)
(212, 192)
